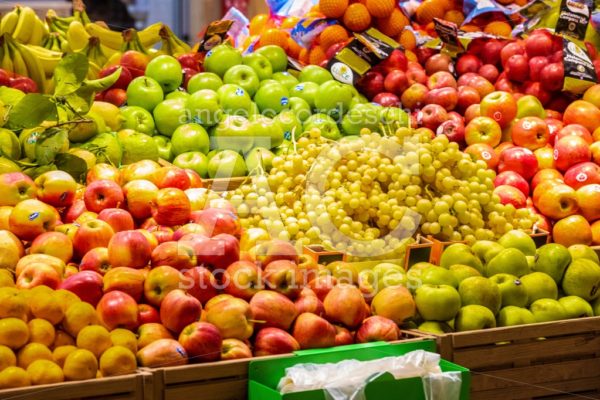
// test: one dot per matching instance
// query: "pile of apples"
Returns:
(156, 254)
(16, 81)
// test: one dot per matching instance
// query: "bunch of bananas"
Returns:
(23, 24)
(96, 57)
(35, 62)
(171, 45)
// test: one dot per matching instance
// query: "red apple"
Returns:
(539, 43)
(530, 132)
(56, 188)
(346, 305)
(468, 63)
(536, 89)
(118, 310)
(509, 50)
(309, 303)
(437, 62)
(396, 82)
(179, 309)
(386, 99)
(396, 61)
(148, 315)
(517, 68)
(588, 198)
(126, 280)
(536, 64)
(500, 106)
(431, 116)
(552, 76)
(235, 349)
(571, 150)
(575, 130)
(489, 72)
(272, 341)
(129, 249)
(202, 341)
(519, 160)
(322, 284)
(217, 220)
(455, 131)
(545, 175)
(118, 219)
(511, 195)
(274, 309)
(55, 244)
(92, 234)
(467, 96)
(104, 171)
(134, 60)
(172, 177)
(485, 152)
(102, 194)
(371, 84)
(38, 274)
(87, 285)
(242, 279)
(16, 187)
(178, 255)
(446, 97)
(171, 207)
(96, 260)
(414, 96)
(159, 282)
(473, 111)
(139, 197)
(483, 130)
(284, 277)
(377, 328)
(584, 113)
(513, 179)
(124, 78)
(312, 331)
(31, 218)
(219, 252)
(582, 174)
(200, 283)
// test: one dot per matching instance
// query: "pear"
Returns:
(481, 291)
(552, 259)
(462, 272)
(539, 286)
(546, 310)
(582, 251)
(576, 307)
(512, 315)
(460, 253)
(474, 316)
(512, 290)
(437, 302)
(508, 261)
(486, 249)
(582, 278)
(520, 240)
(435, 327)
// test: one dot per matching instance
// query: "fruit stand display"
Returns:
(194, 218)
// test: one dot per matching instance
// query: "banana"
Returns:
(150, 35)
(19, 65)
(52, 42)
(109, 38)
(37, 33)
(48, 58)
(6, 62)
(93, 71)
(23, 30)
(9, 21)
(77, 36)
(33, 63)
(131, 41)
(171, 44)
(94, 52)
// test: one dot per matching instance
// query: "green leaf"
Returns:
(32, 110)
(78, 104)
(71, 164)
(9, 95)
(50, 144)
(90, 87)
(70, 73)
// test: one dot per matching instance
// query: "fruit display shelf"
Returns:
(221, 380)
(125, 387)
(555, 360)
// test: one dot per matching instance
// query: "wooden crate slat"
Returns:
(522, 392)
(474, 358)
(221, 390)
(561, 371)
(205, 372)
(582, 395)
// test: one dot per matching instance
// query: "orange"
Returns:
(61, 353)
(293, 48)
(14, 332)
(43, 372)
(41, 331)
(117, 360)
(6, 278)
(427, 11)
(499, 28)
(14, 377)
(333, 8)
(394, 24)
(7, 358)
(258, 23)
(80, 365)
(381, 8)
(303, 56)
(470, 28)
(66, 298)
(454, 16)
(94, 338)
(62, 338)
(316, 55)
(357, 17)
(274, 36)
(78, 316)
(46, 306)
(411, 56)
(125, 338)
(289, 22)
(12, 304)
(596, 233)
(407, 39)
(33, 352)
(572, 230)
(331, 35)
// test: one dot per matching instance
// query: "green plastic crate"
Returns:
(264, 375)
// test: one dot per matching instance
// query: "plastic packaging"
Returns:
(290, 8)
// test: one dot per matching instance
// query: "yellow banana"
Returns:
(77, 36)
(23, 30)
(34, 65)
(150, 35)
(93, 71)
(6, 62)
(94, 52)
(19, 65)
(37, 32)
(9, 21)
(48, 58)
(171, 44)
(109, 38)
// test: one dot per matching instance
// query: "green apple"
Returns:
(111, 149)
(286, 79)
(266, 131)
(269, 82)
(138, 118)
(165, 148)
(289, 122)
(222, 57)
(539, 286)
(530, 106)
(314, 73)
(167, 71)
(226, 164)
(358, 99)
(393, 118)
(211, 154)
(508, 261)
(486, 249)
(460, 253)
(438, 276)
(234, 132)
(482, 291)
(177, 94)
(136, 146)
(547, 310)
(576, 307)
(511, 289)
(204, 107)
(272, 99)
(260, 64)
(552, 259)
(243, 76)
(435, 327)
(333, 98)
(325, 124)
(361, 116)
(512, 315)
(474, 317)
(194, 160)
(204, 80)
(253, 110)
(307, 91)
(144, 92)
(169, 114)
(276, 56)
(190, 137)
(234, 100)
(300, 108)
(259, 156)
(583, 251)
(518, 240)
(462, 272)
(582, 278)
(437, 302)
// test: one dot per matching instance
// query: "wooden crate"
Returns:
(221, 380)
(549, 361)
(127, 387)
(224, 184)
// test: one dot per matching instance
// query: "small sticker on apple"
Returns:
(486, 155)
(209, 53)
(287, 135)
(581, 177)
(239, 92)
(34, 215)
(299, 87)
(555, 154)
(284, 101)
